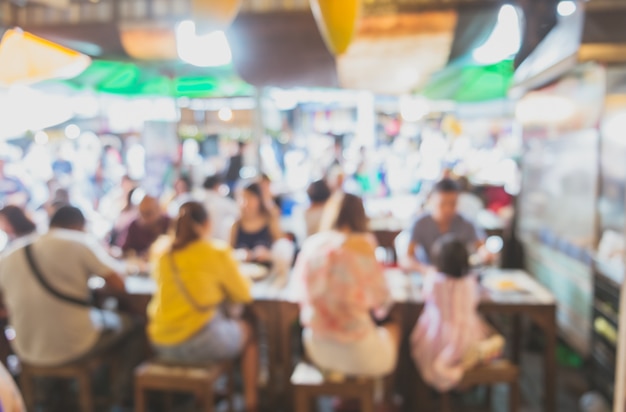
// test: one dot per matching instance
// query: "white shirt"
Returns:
(48, 330)
(470, 205)
(223, 213)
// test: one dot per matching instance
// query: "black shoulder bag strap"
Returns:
(44, 283)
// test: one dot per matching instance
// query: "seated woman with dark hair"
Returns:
(15, 223)
(342, 286)
(195, 277)
(257, 229)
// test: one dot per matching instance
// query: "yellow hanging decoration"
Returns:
(337, 20)
(27, 59)
(210, 15)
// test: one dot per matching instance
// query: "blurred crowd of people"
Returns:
(192, 239)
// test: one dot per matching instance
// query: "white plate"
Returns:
(253, 270)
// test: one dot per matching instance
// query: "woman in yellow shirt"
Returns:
(195, 277)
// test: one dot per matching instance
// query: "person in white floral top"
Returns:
(10, 397)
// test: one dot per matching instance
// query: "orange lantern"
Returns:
(337, 21)
(210, 15)
(149, 42)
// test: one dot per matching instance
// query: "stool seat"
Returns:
(496, 372)
(63, 371)
(500, 371)
(196, 380)
(309, 383)
(155, 369)
(80, 371)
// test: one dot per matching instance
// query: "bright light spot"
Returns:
(494, 244)
(537, 109)
(284, 100)
(208, 50)
(225, 114)
(505, 39)
(191, 151)
(86, 106)
(566, 8)
(10, 334)
(184, 102)
(164, 109)
(136, 162)
(138, 195)
(96, 282)
(72, 131)
(248, 172)
(413, 109)
(408, 75)
(41, 137)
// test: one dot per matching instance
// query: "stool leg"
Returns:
(489, 398)
(446, 402)
(28, 390)
(230, 387)
(514, 397)
(168, 401)
(302, 402)
(367, 403)
(85, 392)
(209, 401)
(140, 399)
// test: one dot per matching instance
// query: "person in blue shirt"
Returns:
(12, 190)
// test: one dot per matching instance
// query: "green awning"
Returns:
(470, 82)
(160, 79)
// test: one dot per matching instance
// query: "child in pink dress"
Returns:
(448, 335)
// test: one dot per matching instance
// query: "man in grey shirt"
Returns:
(443, 219)
(51, 331)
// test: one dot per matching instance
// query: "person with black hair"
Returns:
(450, 336)
(442, 219)
(12, 190)
(318, 193)
(232, 173)
(257, 229)
(146, 229)
(15, 223)
(183, 193)
(222, 209)
(45, 288)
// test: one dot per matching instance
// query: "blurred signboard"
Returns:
(558, 202)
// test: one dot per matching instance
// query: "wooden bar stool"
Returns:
(198, 381)
(81, 372)
(309, 383)
(501, 371)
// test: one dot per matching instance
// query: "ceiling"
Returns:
(276, 43)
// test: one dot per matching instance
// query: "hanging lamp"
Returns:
(211, 15)
(337, 21)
